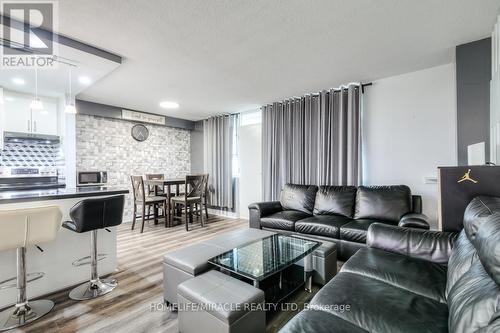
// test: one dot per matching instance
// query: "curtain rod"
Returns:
(362, 85)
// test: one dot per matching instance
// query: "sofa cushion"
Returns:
(322, 225)
(493, 326)
(419, 276)
(298, 197)
(356, 230)
(284, 220)
(335, 200)
(462, 257)
(488, 246)
(473, 301)
(377, 306)
(387, 203)
(430, 245)
(476, 212)
(319, 321)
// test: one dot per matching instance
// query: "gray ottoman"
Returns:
(186, 263)
(217, 303)
(324, 257)
(324, 261)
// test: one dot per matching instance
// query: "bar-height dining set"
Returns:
(154, 192)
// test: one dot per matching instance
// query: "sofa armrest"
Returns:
(416, 204)
(414, 220)
(434, 246)
(262, 209)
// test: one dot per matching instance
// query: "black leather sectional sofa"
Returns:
(409, 280)
(339, 213)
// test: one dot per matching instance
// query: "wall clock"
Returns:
(140, 132)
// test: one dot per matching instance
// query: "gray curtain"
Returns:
(219, 135)
(315, 139)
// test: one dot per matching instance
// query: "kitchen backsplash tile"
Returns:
(105, 144)
(29, 154)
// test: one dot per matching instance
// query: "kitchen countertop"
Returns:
(60, 193)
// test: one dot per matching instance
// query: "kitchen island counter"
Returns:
(8, 197)
(59, 257)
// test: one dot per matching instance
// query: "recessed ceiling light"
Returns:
(18, 81)
(169, 105)
(84, 80)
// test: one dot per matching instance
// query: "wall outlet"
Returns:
(430, 180)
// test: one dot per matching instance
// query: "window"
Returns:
(244, 119)
(235, 152)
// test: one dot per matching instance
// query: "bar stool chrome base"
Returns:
(20, 315)
(92, 215)
(93, 289)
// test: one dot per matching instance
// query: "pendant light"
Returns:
(36, 104)
(70, 106)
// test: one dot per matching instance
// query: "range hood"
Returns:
(30, 137)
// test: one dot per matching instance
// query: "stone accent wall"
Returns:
(106, 144)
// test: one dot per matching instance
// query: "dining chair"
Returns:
(205, 195)
(195, 189)
(204, 203)
(157, 190)
(155, 176)
(161, 191)
(145, 201)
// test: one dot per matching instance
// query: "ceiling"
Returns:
(54, 82)
(223, 56)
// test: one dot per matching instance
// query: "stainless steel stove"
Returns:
(28, 178)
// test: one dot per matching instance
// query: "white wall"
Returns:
(495, 95)
(67, 130)
(250, 158)
(495, 118)
(410, 130)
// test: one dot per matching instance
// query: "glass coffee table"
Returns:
(271, 264)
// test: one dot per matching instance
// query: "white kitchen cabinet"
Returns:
(20, 118)
(45, 122)
(17, 113)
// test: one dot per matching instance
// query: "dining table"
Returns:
(166, 185)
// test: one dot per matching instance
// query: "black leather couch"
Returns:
(409, 280)
(339, 213)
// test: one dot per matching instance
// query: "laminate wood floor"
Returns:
(136, 304)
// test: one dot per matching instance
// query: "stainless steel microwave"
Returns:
(91, 178)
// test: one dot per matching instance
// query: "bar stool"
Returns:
(92, 215)
(19, 229)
